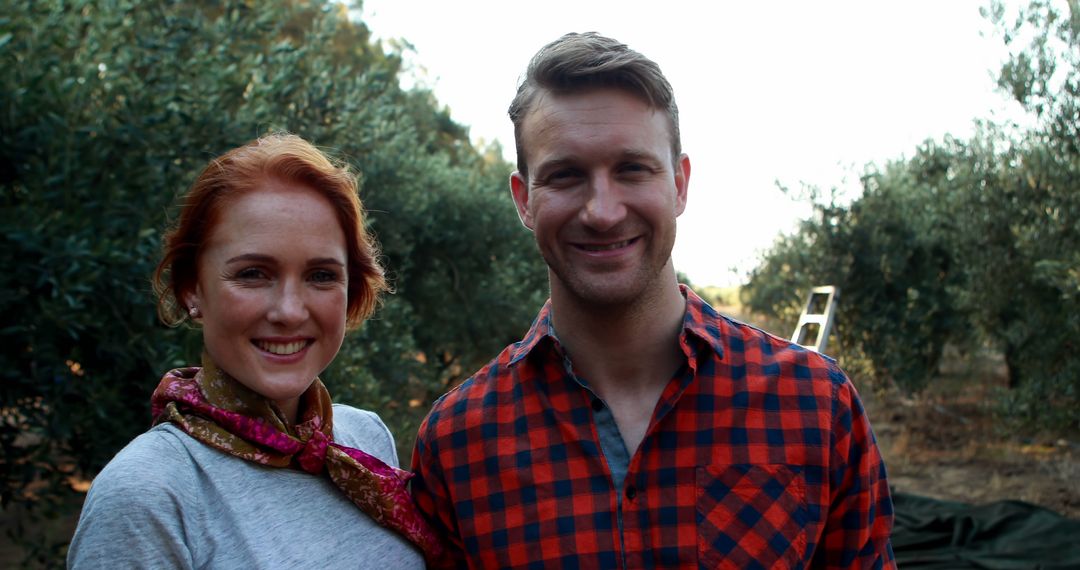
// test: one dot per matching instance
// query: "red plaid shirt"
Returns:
(758, 455)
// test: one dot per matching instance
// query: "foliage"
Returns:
(1044, 74)
(890, 271)
(107, 112)
(966, 243)
(1041, 190)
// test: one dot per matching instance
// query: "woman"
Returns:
(249, 465)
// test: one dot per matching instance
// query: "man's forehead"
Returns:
(547, 100)
(556, 112)
(567, 116)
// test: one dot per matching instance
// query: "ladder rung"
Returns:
(822, 320)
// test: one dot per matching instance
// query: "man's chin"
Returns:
(605, 294)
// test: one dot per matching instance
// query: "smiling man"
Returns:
(633, 426)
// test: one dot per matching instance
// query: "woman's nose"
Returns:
(290, 307)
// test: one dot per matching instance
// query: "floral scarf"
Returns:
(217, 410)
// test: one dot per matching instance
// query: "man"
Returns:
(633, 426)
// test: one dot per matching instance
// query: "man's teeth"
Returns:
(607, 247)
(281, 347)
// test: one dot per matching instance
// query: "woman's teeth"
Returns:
(282, 348)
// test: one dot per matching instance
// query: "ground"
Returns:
(947, 444)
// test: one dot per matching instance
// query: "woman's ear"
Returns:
(191, 303)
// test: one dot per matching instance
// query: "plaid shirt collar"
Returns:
(698, 314)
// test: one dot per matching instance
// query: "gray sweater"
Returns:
(168, 501)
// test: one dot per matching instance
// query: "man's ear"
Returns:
(682, 183)
(519, 188)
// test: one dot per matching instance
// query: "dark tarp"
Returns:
(929, 533)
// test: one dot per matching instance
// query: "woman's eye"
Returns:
(324, 276)
(250, 274)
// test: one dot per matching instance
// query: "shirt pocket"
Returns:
(751, 516)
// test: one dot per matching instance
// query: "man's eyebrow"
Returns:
(632, 154)
(557, 162)
(628, 154)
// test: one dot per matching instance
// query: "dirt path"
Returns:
(946, 444)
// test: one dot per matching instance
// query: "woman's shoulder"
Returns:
(157, 460)
(138, 500)
(364, 430)
(356, 418)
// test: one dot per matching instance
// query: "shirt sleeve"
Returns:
(430, 491)
(132, 515)
(860, 517)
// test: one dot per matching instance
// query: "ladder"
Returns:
(816, 318)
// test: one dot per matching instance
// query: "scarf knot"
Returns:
(312, 458)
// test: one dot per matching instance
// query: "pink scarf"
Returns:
(219, 411)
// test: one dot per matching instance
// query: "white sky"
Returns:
(787, 91)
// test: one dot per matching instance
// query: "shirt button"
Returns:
(597, 404)
(631, 492)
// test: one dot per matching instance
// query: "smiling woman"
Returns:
(249, 464)
(272, 290)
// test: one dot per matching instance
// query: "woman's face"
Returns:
(272, 289)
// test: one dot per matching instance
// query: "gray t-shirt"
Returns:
(168, 501)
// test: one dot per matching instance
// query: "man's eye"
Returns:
(562, 175)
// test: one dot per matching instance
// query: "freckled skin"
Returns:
(273, 271)
(602, 194)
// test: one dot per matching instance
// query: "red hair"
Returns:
(283, 157)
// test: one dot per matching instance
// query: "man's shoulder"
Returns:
(737, 341)
(769, 354)
(492, 377)
(491, 394)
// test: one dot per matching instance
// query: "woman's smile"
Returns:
(281, 348)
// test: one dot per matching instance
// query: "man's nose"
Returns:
(604, 207)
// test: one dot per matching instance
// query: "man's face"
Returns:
(602, 194)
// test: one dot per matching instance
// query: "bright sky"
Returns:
(787, 91)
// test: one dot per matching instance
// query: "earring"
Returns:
(194, 312)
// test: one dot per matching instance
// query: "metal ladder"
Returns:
(816, 318)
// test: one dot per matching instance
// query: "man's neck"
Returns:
(622, 348)
(628, 355)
